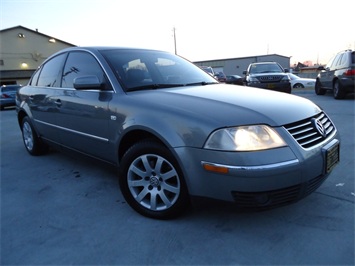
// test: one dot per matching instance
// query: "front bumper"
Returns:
(256, 179)
(279, 86)
(348, 84)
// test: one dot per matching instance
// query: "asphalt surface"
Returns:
(64, 209)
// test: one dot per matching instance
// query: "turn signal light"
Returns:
(215, 168)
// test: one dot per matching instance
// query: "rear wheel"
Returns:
(318, 88)
(33, 143)
(151, 181)
(338, 91)
(298, 86)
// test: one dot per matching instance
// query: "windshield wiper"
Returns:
(203, 83)
(154, 87)
(164, 86)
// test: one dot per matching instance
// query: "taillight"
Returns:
(350, 72)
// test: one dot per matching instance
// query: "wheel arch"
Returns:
(296, 85)
(133, 137)
(20, 115)
(334, 80)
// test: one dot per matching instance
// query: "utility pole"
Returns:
(175, 40)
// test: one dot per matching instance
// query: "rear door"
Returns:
(83, 114)
(330, 71)
(42, 98)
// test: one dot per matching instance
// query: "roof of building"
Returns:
(238, 58)
(37, 32)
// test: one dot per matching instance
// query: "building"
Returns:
(22, 50)
(236, 66)
(305, 71)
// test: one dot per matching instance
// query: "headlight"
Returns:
(286, 79)
(253, 80)
(244, 138)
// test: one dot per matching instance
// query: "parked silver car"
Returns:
(174, 132)
(300, 83)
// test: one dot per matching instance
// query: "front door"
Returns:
(83, 115)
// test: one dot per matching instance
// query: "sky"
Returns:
(304, 30)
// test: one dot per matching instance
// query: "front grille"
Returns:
(305, 132)
(272, 78)
(276, 198)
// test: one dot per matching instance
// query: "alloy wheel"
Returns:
(28, 136)
(153, 182)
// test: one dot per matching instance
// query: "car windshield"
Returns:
(265, 68)
(147, 69)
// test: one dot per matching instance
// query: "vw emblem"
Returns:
(317, 124)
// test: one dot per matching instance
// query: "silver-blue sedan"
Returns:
(174, 132)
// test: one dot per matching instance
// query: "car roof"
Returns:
(103, 48)
(260, 63)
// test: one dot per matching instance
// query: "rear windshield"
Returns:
(9, 88)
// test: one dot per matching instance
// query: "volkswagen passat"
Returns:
(174, 132)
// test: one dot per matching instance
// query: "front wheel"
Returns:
(151, 181)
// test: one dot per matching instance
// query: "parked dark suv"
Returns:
(338, 75)
(268, 75)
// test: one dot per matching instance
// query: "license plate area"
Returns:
(332, 156)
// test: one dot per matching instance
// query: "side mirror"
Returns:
(87, 83)
(244, 72)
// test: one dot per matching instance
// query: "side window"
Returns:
(330, 62)
(50, 73)
(80, 64)
(343, 61)
(34, 78)
(336, 62)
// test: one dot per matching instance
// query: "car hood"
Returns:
(267, 74)
(229, 105)
(305, 80)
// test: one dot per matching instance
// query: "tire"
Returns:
(318, 88)
(33, 143)
(338, 91)
(151, 181)
(298, 86)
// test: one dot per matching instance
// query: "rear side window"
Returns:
(34, 79)
(344, 60)
(336, 61)
(50, 73)
(80, 64)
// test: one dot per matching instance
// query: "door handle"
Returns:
(58, 102)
